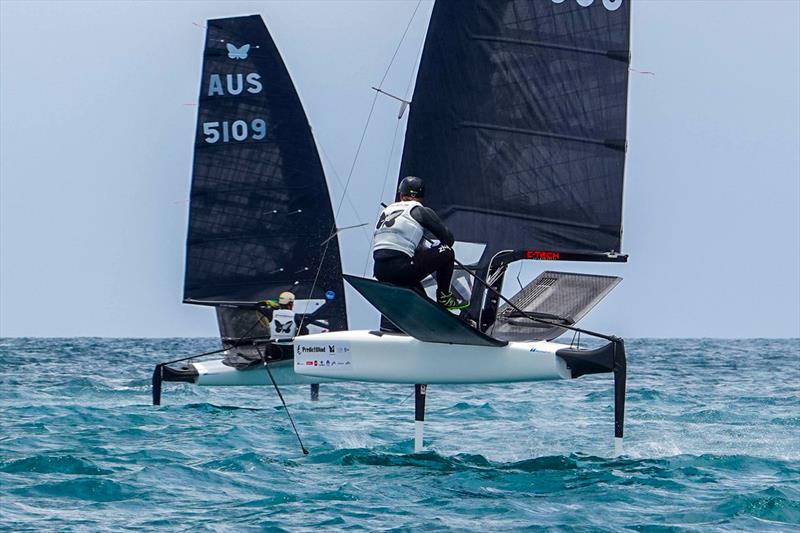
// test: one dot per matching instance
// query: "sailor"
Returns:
(398, 245)
(282, 319)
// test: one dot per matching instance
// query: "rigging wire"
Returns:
(399, 44)
(372, 109)
(383, 188)
(278, 390)
(339, 230)
(159, 369)
(339, 207)
(230, 345)
(518, 274)
(389, 162)
(355, 157)
(397, 126)
(359, 218)
(399, 119)
(572, 343)
(404, 400)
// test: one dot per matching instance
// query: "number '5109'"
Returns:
(237, 131)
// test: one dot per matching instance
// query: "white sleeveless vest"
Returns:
(397, 229)
(282, 326)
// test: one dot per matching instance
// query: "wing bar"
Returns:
(418, 316)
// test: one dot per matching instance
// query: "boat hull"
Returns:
(215, 373)
(391, 358)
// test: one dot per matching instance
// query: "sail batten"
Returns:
(620, 55)
(610, 143)
(522, 216)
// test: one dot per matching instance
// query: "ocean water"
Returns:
(712, 443)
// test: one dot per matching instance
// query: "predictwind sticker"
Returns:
(322, 357)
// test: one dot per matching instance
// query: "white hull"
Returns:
(365, 356)
(214, 373)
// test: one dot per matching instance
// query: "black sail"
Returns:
(260, 215)
(518, 124)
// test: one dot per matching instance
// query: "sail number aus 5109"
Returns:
(238, 131)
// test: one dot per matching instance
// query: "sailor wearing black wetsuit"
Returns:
(399, 258)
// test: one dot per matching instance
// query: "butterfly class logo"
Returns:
(283, 327)
(237, 53)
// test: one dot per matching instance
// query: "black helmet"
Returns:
(412, 186)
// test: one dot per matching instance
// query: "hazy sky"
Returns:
(96, 154)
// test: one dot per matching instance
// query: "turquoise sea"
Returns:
(712, 443)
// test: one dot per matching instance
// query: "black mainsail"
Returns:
(260, 218)
(518, 126)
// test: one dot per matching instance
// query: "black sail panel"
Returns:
(518, 122)
(260, 214)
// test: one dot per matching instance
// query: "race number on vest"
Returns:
(397, 230)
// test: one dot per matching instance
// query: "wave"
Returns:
(53, 464)
(771, 504)
(711, 444)
(83, 488)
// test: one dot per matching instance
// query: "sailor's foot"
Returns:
(451, 302)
